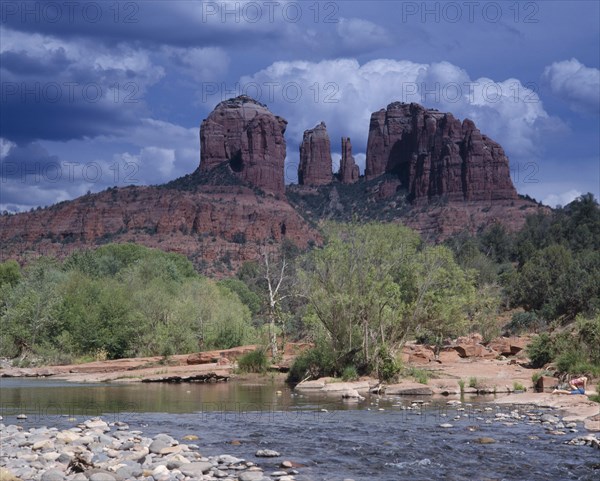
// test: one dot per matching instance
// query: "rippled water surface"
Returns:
(378, 439)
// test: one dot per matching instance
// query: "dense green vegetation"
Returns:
(358, 298)
(551, 269)
(372, 287)
(574, 349)
(116, 301)
(254, 362)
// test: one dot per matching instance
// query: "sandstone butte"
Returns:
(244, 134)
(349, 171)
(234, 205)
(434, 155)
(315, 157)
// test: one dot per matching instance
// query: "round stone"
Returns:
(102, 477)
(53, 475)
(251, 476)
(196, 469)
(267, 453)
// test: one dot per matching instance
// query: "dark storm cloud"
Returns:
(21, 63)
(24, 121)
(176, 23)
(52, 90)
(27, 160)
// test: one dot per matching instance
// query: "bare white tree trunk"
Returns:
(274, 283)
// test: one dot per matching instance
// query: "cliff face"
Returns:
(245, 134)
(315, 157)
(434, 155)
(217, 227)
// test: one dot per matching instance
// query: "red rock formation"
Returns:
(434, 155)
(244, 133)
(349, 171)
(508, 346)
(315, 157)
(218, 228)
(219, 224)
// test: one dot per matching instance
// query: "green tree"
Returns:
(10, 273)
(444, 294)
(119, 301)
(31, 309)
(373, 285)
(247, 296)
(355, 287)
(496, 243)
(539, 283)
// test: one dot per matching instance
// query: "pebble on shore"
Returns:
(98, 451)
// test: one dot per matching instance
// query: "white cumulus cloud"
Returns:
(575, 83)
(357, 33)
(344, 93)
(202, 64)
(562, 199)
(5, 147)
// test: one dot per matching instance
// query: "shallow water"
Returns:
(348, 440)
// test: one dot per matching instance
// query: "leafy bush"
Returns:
(537, 375)
(121, 300)
(255, 361)
(473, 382)
(575, 362)
(541, 350)
(574, 351)
(312, 364)
(523, 322)
(386, 367)
(589, 337)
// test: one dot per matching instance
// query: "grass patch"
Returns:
(595, 398)
(349, 374)
(535, 377)
(517, 386)
(419, 375)
(473, 382)
(461, 384)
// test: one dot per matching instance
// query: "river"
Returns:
(379, 439)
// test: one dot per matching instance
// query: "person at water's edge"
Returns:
(577, 386)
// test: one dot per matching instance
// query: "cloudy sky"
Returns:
(95, 94)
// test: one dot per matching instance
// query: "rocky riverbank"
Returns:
(95, 450)
(98, 451)
(575, 408)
